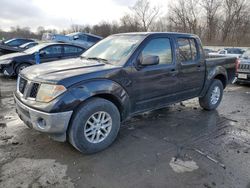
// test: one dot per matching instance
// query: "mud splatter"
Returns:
(180, 166)
(34, 173)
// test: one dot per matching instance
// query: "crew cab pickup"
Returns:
(84, 100)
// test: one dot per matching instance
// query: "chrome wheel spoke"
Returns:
(98, 127)
(215, 95)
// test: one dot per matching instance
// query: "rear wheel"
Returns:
(94, 126)
(21, 67)
(213, 96)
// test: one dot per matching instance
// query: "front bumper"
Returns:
(243, 80)
(6, 70)
(55, 124)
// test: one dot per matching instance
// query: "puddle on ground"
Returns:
(180, 166)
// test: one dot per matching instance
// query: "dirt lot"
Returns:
(180, 146)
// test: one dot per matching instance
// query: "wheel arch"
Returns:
(218, 72)
(105, 89)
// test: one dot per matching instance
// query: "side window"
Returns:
(83, 37)
(93, 39)
(160, 47)
(222, 52)
(187, 50)
(56, 49)
(193, 49)
(16, 42)
(71, 49)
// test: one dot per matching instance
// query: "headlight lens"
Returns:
(48, 92)
(5, 62)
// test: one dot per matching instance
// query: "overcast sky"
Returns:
(60, 14)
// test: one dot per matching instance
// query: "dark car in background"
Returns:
(12, 45)
(85, 40)
(243, 68)
(27, 45)
(12, 64)
(15, 42)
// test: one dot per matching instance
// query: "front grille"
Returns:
(22, 85)
(27, 89)
(34, 90)
(244, 67)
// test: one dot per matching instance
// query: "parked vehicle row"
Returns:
(20, 53)
(81, 39)
(231, 52)
(16, 45)
(84, 100)
(12, 64)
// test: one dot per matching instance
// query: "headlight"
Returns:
(5, 62)
(48, 92)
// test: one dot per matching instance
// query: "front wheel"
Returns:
(21, 67)
(94, 125)
(213, 96)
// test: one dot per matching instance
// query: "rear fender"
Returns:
(212, 73)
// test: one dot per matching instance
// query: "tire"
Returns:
(213, 96)
(21, 67)
(83, 120)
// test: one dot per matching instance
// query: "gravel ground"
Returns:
(179, 146)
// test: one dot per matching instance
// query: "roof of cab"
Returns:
(157, 33)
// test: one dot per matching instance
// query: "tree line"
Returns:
(217, 22)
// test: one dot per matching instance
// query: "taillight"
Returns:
(237, 64)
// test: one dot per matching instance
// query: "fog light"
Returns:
(41, 123)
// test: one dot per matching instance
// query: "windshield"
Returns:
(114, 48)
(34, 49)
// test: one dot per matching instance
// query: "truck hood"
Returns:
(67, 72)
(245, 61)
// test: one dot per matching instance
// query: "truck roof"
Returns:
(157, 33)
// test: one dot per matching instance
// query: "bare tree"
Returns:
(129, 24)
(145, 14)
(184, 16)
(211, 8)
(231, 15)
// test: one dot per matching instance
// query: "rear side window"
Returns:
(93, 39)
(71, 49)
(187, 50)
(160, 47)
(56, 49)
(17, 42)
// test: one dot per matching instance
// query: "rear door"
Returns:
(51, 53)
(191, 67)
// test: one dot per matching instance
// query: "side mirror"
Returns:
(149, 60)
(76, 37)
(42, 53)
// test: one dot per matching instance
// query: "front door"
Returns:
(153, 85)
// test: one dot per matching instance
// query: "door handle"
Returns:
(174, 72)
(199, 67)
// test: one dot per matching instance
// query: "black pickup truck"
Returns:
(84, 100)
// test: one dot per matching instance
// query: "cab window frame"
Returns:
(192, 60)
(171, 48)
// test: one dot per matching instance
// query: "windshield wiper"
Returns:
(96, 58)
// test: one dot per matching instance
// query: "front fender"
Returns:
(80, 92)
